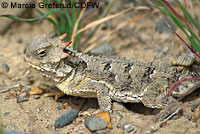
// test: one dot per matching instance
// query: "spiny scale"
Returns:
(106, 78)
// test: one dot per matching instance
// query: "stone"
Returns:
(95, 123)
(66, 119)
(128, 128)
(12, 132)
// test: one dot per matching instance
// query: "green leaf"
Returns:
(194, 40)
(22, 19)
(49, 19)
(30, 20)
(187, 14)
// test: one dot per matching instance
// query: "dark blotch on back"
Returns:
(107, 66)
(67, 51)
(76, 62)
(128, 68)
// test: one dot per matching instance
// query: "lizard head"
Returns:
(47, 55)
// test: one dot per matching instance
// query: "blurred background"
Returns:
(124, 28)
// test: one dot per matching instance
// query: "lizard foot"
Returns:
(56, 94)
(54, 91)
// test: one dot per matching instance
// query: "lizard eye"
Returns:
(42, 53)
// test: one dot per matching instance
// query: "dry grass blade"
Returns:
(94, 39)
(127, 24)
(109, 34)
(132, 21)
(97, 22)
(176, 14)
(76, 25)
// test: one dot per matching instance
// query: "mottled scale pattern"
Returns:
(106, 78)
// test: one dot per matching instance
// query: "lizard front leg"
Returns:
(88, 88)
(104, 100)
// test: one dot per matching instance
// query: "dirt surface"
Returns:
(139, 40)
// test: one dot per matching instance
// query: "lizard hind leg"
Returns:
(153, 101)
(104, 101)
(154, 95)
(185, 88)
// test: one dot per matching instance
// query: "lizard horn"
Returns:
(66, 55)
(66, 44)
(62, 37)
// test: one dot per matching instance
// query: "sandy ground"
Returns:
(139, 40)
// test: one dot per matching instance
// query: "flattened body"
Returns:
(105, 78)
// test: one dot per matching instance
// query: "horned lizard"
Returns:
(105, 78)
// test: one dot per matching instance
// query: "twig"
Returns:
(107, 18)
(76, 25)
(14, 86)
(160, 123)
(119, 27)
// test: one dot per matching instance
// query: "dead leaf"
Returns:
(106, 117)
(36, 90)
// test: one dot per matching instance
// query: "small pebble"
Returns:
(25, 94)
(6, 113)
(145, 49)
(5, 67)
(121, 116)
(95, 123)
(12, 132)
(128, 128)
(66, 119)
(21, 99)
(58, 107)
(165, 49)
(37, 96)
(119, 125)
(39, 109)
(28, 91)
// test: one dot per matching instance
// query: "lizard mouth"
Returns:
(42, 69)
(36, 67)
(47, 72)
